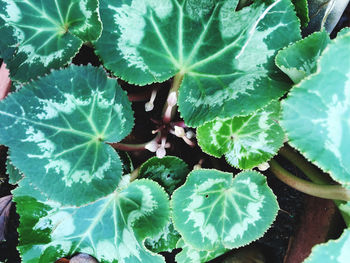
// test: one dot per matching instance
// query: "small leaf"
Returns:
(169, 172)
(191, 255)
(213, 210)
(300, 59)
(335, 251)
(246, 141)
(224, 56)
(60, 124)
(13, 172)
(110, 229)
(164, 241)
(316, 112)
(39, 35)
(5, 206)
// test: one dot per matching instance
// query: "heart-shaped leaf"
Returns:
(169, 171)
(299, 60)
(316, 112)
(39, 35)
(225, 57)
(213, 210)
(57, 126)
(335, 251)
(111, 229)
(191, 255)
(246, 141)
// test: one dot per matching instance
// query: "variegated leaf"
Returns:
(213, 210)
(112, 229)
(246, 141)
(191, 255)
(225, 57)
(316, 112)
(169, 171)
(57, 126)
(15, 175)
(334, 251)
(299, 60)
(166, 240)
(39, 35)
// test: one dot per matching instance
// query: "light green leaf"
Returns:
(164, 241)
(246, 141)
(169, 172)
(335, 251)
(111, 229)
(191, 255)
(300, 59)
(224, 56)
(213, 210)
(13, 172)
(316, 112)
(39, 35)
(57, 128)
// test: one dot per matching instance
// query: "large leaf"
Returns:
(111, 229)
(39, 35)
(316, 113)
(300, 59)
(335, 251)
(246, 141)
(57, 127)
(170, 171)
(213, 210)
(166, 240)
(191, 255)
(302, 10)
(15, 175)
(224, 56)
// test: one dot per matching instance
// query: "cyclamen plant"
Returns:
(231, 65)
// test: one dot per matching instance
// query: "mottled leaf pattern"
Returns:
(191, 255)
(300, 59)
(213, 210)
(335, 251)
(302, 10)
(225, 57)
(39, 35)
(246, 141)
(316, 112)
(111, 229)
(166, 240)
(59, 126)
(169, 171)
(13, 172)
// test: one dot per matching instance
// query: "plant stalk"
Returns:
(169, 109)
(133, 147)
(336, 192)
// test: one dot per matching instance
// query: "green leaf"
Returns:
(111, 229)
(57, 128)
(191, 255)
(15, 175)
(335, 251)
(316, 112)
(170, 172)
(213, 210)
(128, 167)
(302, 10)
(246, 141)
(39, 35)
(224, 56)
(300, 59)
(345, 211)
(164, 241)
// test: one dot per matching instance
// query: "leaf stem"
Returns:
(169, 109)
(307, 168)
(134, 147)
(134, 174)
(336, 192)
